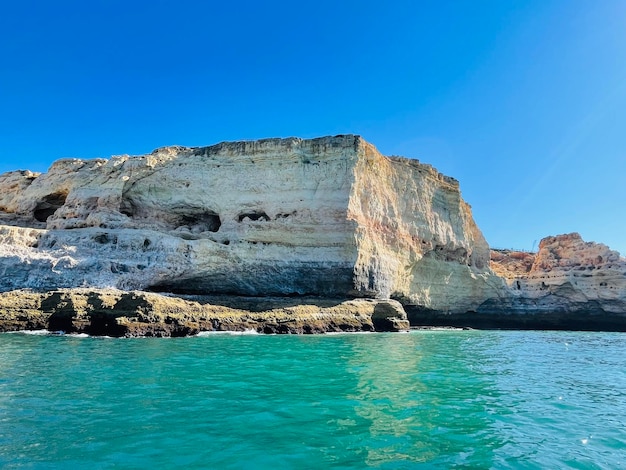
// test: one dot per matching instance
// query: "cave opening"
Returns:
(204, 222)
(127, 207)
(254, 216)
(49, 205)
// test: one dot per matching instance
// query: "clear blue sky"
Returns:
(524, 102)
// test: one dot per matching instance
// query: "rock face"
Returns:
(567, 284)
(328, 217)
(567, 274)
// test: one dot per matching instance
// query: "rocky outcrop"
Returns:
(127, 314)
(511, 264)
(567, 284)
(567, 274)
(327, 217)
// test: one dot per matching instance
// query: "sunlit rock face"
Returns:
(416, 238)
(327, 216)
(567, 274)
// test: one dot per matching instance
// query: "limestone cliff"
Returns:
(567, 274)
(568, 284)
(328, 217)
(416, 238)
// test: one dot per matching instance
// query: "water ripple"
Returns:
(435, 399)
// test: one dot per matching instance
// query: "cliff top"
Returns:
(259, 146)
(270, 146)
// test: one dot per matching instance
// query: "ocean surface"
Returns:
(425, 399)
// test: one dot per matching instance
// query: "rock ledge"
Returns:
(110, 312)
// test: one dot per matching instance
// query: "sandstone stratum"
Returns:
(326, 218)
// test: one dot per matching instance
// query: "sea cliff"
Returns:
(326, 218)
(567, 284)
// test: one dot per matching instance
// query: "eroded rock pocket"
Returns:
(49, 205)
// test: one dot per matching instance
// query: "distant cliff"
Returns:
(567, 278)
(567, 284)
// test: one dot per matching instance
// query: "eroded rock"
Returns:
(567, 274)
(127, 314)
(329, 217)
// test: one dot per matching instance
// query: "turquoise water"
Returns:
(426, 399)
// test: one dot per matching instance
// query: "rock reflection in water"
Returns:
(417, 410)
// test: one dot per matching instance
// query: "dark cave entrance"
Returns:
(49, 205)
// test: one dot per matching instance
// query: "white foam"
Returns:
(31, 332)
(49, 333)
(438, 329)
(236, 333)
(337, 333)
